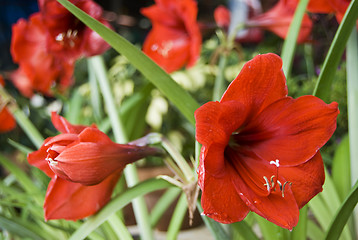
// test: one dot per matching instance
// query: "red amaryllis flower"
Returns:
(222, 16)
(39, 69)
(261, 148)
(84, 165)
(279, 18)
(175, 38)
(6, 119)
(68, 37)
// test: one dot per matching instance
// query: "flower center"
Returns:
(272, 184)
(68, 37)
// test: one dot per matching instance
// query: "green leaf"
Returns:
(21, 228)
(162, 205)
(177, 218)
(244, 230)
(289, 45)
(341, 169)
(215, 228)
(176, 94)
(340, 219)
(117, 203)
(323, 86)
(23, 179)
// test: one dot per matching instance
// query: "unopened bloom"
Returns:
(278, 20)
(84, 166)
(6, 119)
(260, 148)
(175, 38)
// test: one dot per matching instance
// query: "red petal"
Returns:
(222, 16)
(219, 199)
(319, 6)
(73, 201)
(282, 211)
(260, 83)
(215, 122)
(7, 121)
(38, 159)
(290, 130)
(307, 179)
(279, 18)
(175, 38)
(96, 157)
(62, 125)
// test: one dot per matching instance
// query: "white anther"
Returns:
(276, 162)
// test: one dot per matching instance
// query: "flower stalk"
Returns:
(131, 175)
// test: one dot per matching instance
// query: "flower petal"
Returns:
(219, 199)
(73, 201)
(282, 211)
(62, 125)
(38, 159)
(96, 157)
(290, 130)
(307, 179)
(215, 123)
(260, 83)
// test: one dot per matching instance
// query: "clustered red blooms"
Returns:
(260, 148)
(175, 38)
(48, 44)
(84, 166)
(6, 119)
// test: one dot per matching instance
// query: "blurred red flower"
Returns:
(39, 69)
(338, 7)
(47, 46)
(279, 18)
(222, 16)
(68, 37)
(175, 38)
(6, 119)
(83, 163)
(260, 148)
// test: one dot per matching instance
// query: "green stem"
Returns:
(130, 172)
(352, 101)
(177, 218)
(24, 122)
(219, 86)
(117, 203)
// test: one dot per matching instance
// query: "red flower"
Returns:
(222, 16)
(6, 119)
(261, 148)
(175, 38)
(69, 38)
(279, 18)
(39, 69)
(84, 165)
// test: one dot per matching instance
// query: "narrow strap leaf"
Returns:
(322, 89)
(176, 94)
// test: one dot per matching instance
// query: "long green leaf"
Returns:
(117, 203)
(342, 216)
(21, 228)
(289, 45)
(215, 228)
(352, 101)
(244, 230)
(323, 86)
(177, 218)
(177, 95)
